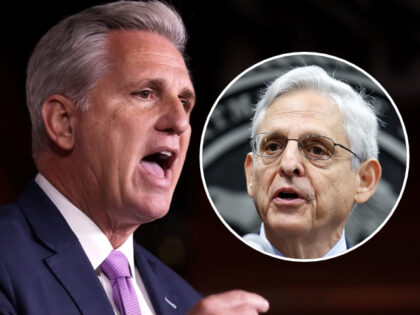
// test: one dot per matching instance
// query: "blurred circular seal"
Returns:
(224, 146)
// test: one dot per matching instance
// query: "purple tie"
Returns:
(117, 270)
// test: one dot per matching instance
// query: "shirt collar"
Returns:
(338, 248)
(94, 242)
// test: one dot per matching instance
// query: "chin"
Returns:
(150, 209)
(292, 228)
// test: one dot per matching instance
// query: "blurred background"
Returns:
(225, 144)
(227, 37)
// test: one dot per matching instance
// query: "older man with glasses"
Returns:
(314, 156)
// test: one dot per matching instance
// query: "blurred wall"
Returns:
(226, 38)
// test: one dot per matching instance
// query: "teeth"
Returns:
(167, 153)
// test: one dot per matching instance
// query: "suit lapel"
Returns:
(68, 262)
(163, 298)
(73, 269)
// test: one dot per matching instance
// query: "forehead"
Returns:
(132, 51)
(301, 113)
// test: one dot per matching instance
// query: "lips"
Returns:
(158, 163)
(288, 196)
(287, 193)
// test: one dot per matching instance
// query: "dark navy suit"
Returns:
(44, 270)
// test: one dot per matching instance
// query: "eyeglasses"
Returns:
(312, 147)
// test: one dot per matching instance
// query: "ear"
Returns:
(369, 174)
(249, 173)
(57, 114)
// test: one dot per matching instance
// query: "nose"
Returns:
(173, 118)
(291, 160)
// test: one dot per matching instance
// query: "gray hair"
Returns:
(72, 56)
(360, 121)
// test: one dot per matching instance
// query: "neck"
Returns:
(308, 246)
(89, 201)
(116, 239)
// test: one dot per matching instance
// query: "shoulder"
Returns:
(254, 240)
(18, 240)
(10, 213)
(13, 226)
(260, 243)
(16, 257)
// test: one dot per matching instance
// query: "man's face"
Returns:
(295, 196)
(133, 139)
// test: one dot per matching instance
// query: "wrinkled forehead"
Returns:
(124, 46)
(138, 55)
(306, 111)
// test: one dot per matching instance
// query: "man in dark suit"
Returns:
(110, 99)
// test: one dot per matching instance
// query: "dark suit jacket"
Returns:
(44, 270)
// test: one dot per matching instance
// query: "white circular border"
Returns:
(325, 56)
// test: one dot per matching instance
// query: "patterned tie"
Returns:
(117, 270)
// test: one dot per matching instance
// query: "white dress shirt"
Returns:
(96, 245)
(260, 242)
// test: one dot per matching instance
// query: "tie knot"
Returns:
(116, 266)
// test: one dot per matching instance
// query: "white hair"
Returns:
(72, 56)
(360, 121)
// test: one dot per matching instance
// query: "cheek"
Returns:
(93, 144)
(263, 179)
(335, 194)
(346, 192)
(185, 140)
(127, 132)
(325, 192)
(123, 143)
(183, 147)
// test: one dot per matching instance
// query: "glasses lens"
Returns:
(269, 144)
(317, 148)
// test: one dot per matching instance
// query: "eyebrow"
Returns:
(304, 133)
(155, 83)
(159, 84)
(188, 94)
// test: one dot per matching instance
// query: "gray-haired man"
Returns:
(314, 155)
(110, 99)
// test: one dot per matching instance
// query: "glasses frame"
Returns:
(252, 141)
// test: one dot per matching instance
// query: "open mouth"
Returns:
(159, 162)
(287, 195)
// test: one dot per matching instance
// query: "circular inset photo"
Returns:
(304, 156)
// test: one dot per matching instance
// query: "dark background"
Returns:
(226, 37)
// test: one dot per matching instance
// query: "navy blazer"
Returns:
(44, 270)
